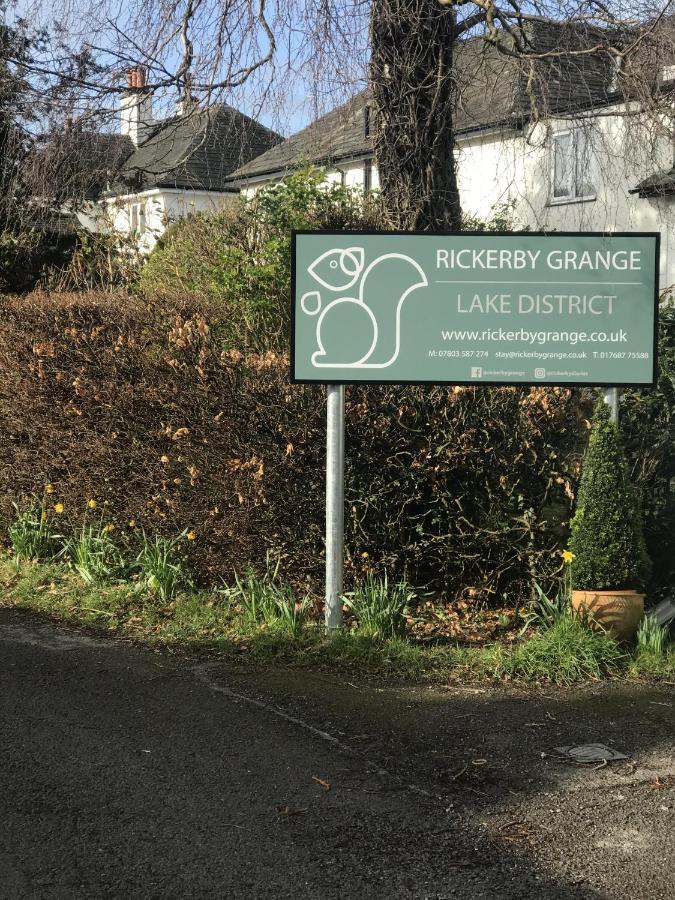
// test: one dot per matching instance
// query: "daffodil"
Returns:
(191, 536)
(108, 528)
(58, 508)
(132, 523)
(50, 489)
(92, 504)
(567, 556)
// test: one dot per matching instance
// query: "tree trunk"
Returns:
(412, 44)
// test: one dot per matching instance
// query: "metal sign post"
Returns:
(335, 508)
(612, 396)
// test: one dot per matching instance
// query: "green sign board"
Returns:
(519, 308)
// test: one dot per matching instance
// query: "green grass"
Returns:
(266, 600)
(31, 535)
(94, 555)
(380, 608)
(565, 653)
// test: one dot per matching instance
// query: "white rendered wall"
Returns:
(354, 174)
(517, 171)
(160, 207)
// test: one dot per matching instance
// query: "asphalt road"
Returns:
(131, 774)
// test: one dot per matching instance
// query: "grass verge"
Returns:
(565, 653)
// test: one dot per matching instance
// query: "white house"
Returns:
(594, 162)
(175, 166)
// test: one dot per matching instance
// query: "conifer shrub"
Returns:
(607, 539)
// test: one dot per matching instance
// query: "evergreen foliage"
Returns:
(648, 433)
(607, 540)
(242, 255)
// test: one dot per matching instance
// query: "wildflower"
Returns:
(191, 536)
(108, 528)
(364, 555)
(567, 556)
(132, 523)
(50, 489)
(92, 504)
(58, 508)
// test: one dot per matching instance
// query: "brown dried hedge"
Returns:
(110, 397)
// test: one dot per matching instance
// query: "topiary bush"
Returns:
(606, 531)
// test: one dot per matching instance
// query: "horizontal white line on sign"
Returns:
(534, 283)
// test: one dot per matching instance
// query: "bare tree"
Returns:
(566, 56)
(422, 58)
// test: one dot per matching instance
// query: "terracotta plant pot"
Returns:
(617, 612)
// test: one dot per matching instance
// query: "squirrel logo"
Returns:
(363, 331)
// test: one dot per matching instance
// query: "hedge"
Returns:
(137, 404)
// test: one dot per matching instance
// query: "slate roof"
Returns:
(196, 151)
(660, 184)
(492, 91)
(338, 135)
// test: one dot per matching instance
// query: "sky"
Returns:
(285, 95)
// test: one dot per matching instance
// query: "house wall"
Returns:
(514, 171)
(149, 213)
(350, 173)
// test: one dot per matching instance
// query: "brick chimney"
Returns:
(136, 105)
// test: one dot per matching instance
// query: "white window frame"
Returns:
(574, 197)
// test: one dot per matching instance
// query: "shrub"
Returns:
(242, 255)
(606, 539)
(26, 255)
(380, 608)
(100, 261)
(648, 431)
(464, 489)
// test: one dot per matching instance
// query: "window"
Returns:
(571, 166)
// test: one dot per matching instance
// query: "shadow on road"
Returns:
(126, 775)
